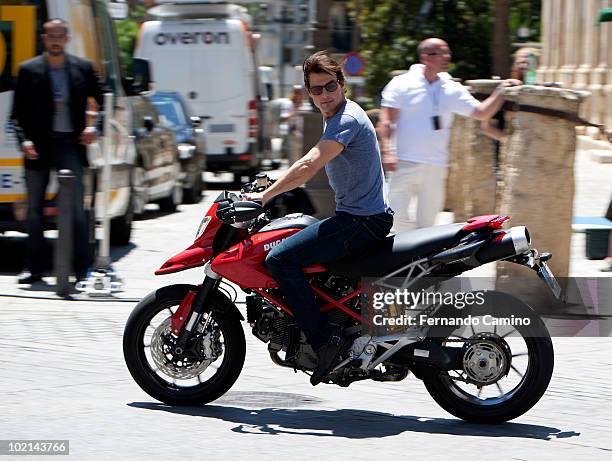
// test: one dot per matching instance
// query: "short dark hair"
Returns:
(55, 22)
(322, 63)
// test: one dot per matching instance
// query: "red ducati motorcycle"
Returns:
(185, 344)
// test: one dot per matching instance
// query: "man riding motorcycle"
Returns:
(349, 152)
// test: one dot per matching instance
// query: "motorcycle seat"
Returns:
(396, 251)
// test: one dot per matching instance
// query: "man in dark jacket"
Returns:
(49, 110)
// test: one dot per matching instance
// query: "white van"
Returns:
(207, 53)
(92, 37)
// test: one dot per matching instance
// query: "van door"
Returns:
(93, 38)
(220, 93)
(156, 148)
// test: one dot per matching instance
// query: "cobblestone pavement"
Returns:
(63, 377)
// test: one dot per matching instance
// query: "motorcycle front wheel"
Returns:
(506, 368)
(202, 374)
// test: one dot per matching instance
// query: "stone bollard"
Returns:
(65, 224)
(480, 161)
(457, 152)
(318, 188)
(538, 190)
(471, 184)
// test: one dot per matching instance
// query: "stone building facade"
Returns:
(578, 53)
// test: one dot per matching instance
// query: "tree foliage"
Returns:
(127, 32)
(392, 29)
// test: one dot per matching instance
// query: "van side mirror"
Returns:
(195, 121)
(141, 82)
(147, 122)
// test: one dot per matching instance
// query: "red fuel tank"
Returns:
(243, 263)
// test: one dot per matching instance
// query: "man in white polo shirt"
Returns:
(417, 113)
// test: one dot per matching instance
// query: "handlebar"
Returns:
(239, 212)
(261, 183)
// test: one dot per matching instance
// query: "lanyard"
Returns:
(435, 96)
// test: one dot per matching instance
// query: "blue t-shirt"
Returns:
(356, 174)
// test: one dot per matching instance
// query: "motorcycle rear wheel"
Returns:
(455, 396)
(164, 387)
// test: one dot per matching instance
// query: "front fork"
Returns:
(202, 298)
(204, 294)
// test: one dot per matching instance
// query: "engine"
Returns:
(269, 325)
(280, 332)
(338, 287)
(272, 326)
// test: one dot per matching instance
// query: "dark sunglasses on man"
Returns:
(318, 89)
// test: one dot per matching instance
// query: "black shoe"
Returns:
(26, 278)
(328, 355)
(78, 278)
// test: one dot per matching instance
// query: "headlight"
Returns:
(186, 151)
(202, 227)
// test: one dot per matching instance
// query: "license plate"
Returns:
(546, 274)
(221, 128)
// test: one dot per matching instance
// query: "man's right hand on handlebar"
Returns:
(256, 197)
(256, 191)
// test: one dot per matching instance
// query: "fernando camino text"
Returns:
(424, 320)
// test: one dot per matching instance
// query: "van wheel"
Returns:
(121, 226)
(169, 204)
(139, 190)
(194, 193)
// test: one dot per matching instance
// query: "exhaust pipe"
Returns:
(514, 242)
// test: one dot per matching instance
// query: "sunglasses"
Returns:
(54, 36)
(318, 90)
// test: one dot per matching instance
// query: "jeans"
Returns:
(65, 155)
(328, 240)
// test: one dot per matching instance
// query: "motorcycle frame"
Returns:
(331, 303)
(394, 343)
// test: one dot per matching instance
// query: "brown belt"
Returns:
(570, 116)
